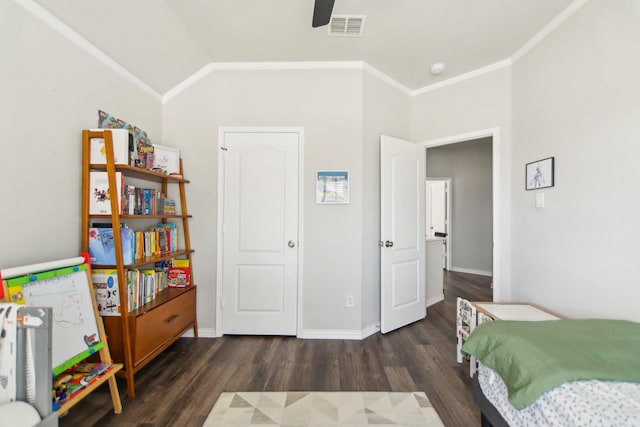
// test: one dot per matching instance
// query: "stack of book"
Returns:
(143, 285)
(166, 206)
(157, 240)
(132, 200)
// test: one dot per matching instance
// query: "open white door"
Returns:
(402, 233)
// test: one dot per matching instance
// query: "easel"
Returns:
(77, 264)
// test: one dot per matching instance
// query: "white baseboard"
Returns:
(323, 334)
(202, 333)
(472, 271)
(434, 300)
(340, 334)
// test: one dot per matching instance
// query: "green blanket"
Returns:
(534, 357)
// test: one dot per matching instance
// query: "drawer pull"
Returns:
(172, 318)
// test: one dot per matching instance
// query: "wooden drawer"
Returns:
(155, 327)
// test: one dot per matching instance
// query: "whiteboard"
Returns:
(74, 325)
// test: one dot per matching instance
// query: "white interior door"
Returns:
(436, 208)
(402, 234)
(260, 233)
(439, 213)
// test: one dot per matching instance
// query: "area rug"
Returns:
(297, 409)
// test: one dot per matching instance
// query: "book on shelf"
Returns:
(146, 201)
(102, 247)
(144, 155)
(148, 286)
(130, 200)
(156, 240)
(179, 274)
(105, 285)
(123, 148)
(166, 206)
(100, 195)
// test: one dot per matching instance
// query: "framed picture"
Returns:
(166, 158)
(332, 187)
(539, 174)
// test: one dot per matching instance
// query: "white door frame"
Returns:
(449, 216)
(220, 247)
(494, 133)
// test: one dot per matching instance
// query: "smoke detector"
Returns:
(437, 68)
(347, 25)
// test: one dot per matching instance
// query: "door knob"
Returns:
(291, 244)
(388, 244)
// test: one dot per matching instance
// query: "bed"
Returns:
(557, 373)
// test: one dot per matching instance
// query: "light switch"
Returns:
(540, 200)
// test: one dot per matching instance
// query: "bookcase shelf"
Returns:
(146, 260)
(140, 173)
(125, 216)
(138, 336)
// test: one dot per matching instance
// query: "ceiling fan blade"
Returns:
(322, 12)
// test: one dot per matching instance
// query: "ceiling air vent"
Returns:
(346, 25)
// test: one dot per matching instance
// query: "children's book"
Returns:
(92, 368)
(101, 246)
(99, 194)
(105, 284)
(122, 146)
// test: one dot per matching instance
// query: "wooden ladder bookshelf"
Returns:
(137, 337)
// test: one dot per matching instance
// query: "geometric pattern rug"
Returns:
(298, 409)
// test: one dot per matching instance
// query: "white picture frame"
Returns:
(332, 187)
(166, 159)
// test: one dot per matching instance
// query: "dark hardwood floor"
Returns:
(180, 387)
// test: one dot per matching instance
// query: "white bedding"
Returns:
(575, 404)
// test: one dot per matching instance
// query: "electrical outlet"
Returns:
(349, 301)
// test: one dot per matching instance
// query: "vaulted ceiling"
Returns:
(163, 42)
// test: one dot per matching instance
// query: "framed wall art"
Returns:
(540, 174)
(166, 158)
(332, 187)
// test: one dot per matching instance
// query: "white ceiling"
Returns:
(163, 42)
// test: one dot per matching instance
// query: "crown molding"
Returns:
(466, 76)
(548, 29)
(386, 78)
(257, 66)
(281, 66)
(57, 25)
(39, 12)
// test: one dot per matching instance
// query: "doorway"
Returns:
(490, 204)
(258, 229)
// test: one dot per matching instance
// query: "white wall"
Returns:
(328, 105)
(472, 105)
(50, 91)
(387, 111)
(469, 166)
(576, 97)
